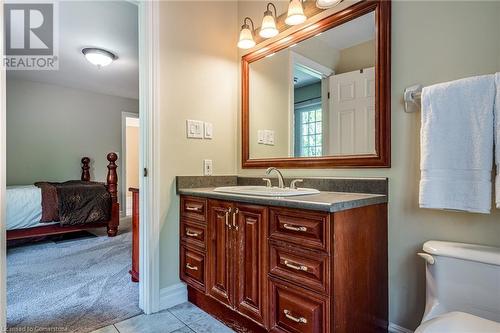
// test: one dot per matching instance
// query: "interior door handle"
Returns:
(236, 211)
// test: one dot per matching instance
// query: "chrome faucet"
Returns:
(281, 182)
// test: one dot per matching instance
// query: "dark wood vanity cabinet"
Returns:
(273, 269)
(237, 251)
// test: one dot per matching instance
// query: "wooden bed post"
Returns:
(85, 169)
(112, 184)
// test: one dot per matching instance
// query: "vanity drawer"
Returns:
(304, 268)
(296, 310)
(193, 233)
(304, 228)
(194, 208)
(193, 268)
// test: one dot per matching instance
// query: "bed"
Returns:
(24, 207)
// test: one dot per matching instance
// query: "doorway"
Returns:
(149, 293)
(130, 159)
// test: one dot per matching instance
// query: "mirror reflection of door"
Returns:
(352, 105)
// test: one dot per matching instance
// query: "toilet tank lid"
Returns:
(473, 252)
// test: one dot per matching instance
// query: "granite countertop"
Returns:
(324, 201)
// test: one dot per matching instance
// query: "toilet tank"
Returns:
(462, 277)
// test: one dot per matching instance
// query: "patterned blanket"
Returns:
(75, 202)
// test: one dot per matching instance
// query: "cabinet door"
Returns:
(251, 257)
(219, 250)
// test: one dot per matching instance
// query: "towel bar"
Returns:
(411, 98)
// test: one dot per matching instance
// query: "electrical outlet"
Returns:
(207, 167)
(194, 129)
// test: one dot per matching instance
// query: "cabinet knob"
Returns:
(300, 320)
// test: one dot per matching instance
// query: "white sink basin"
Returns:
(266, 191)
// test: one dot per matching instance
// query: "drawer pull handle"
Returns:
(227, 218)
(294, 228)
(193, 268)
(236, 211)
(193, 209)
(295, 266)
(300, 320)
(191, 234)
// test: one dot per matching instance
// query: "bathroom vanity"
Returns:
(317, 263)
(313, 263)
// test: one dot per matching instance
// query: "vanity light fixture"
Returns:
(325, 4)
(295, 13)
(246, 40)
(99, 57)
(268, 28)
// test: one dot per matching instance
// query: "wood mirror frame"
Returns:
(382, 157)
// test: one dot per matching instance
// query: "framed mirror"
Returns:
(320, 97)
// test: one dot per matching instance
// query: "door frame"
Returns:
(315, 69)
(123, 160)
(149, 155)
(3, 182)
(149, 109)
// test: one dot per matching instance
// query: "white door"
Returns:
(352, 113)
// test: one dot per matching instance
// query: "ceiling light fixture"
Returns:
(246, 35)
(325, 4)
(99, 57)
(295, 13)
(268, 28)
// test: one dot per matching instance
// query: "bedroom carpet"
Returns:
(72, 286)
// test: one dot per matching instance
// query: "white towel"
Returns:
(497, 138)
(456, 141)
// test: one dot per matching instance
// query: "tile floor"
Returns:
(183, 318)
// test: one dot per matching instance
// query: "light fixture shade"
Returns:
(246, 38)
(324, 4)
(295, 13)
(268, 28)
(99, 57)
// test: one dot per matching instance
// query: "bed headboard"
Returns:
(112, 177)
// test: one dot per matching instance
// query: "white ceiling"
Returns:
(111, 25)
(302, 78)
(351, 33)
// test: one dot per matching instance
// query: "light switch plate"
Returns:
(269, 137)
(209, 131)
(194, 129)
(260, 136)
(207, 167)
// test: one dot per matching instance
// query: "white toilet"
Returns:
(463, 288)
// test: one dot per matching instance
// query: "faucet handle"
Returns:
(293, 184)
(268, 182)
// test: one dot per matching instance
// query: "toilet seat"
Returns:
(458, 322)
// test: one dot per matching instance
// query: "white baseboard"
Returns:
(173, 295)
(393, 328)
